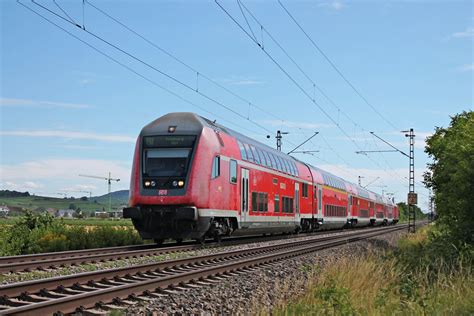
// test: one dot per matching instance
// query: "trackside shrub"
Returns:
(35, 233)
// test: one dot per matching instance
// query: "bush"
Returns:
(35, 233)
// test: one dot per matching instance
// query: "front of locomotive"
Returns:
(167, 183)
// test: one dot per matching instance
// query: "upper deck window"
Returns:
(242, 150)
(249, 153)
(255, 154)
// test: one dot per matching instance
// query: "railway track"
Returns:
(66, 258)
(124, 286)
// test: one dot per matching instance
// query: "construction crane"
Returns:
(109, 180)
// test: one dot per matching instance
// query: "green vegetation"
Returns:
(403, 212)
(35, 233)
(413, 280)
(92, 221)
(432, 271)
(451, 176)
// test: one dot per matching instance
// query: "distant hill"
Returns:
(8, 193)
(24, 201)
(118, 197)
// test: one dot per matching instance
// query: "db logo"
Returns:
(162, 192)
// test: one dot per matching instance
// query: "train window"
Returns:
(290, 167)
(233, 171)
(320, 198)
(304, 190)
(242, 150)
(255, 154)
(293, 168)
(216, 167)
(277, 204)
(254, 201)
(166, 162)
(287, 166)
(273, 160)
(283, 165)
(278, 162)
(249, 153)
(263, 159)
(267, 157)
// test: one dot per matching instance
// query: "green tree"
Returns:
(451, 176)
(403, 212)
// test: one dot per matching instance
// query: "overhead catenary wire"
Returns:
(180, 61)
(183, 84)
(287, 73)
(131, 69)
(332, 64)
(291, 78)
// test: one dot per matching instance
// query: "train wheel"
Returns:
(159, 241)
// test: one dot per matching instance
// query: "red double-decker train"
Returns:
(193, 178)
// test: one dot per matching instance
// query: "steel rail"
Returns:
(153, 276)
(64, 258)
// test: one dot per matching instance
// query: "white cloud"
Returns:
(469, 32)
(41, 104)
(69, 134)
(24, 186)
(334, 5)
(64, 169)
(466, 67)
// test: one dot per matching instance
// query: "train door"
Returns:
(320, 201)
(349, 205)
(244, 197)
(297, 202)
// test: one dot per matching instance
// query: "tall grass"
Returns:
(388, 283)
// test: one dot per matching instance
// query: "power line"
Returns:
(294, 81)
(336, 68)
(185, 85)
(285, 72)
(129, 68)
(180, 61)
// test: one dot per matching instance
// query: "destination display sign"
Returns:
(169, 141)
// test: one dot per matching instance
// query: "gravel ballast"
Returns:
(262, 289)
(87, 267)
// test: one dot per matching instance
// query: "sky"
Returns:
(67, 109)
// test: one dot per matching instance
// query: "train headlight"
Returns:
(147, 183)
(180, 183)
(153, 183)
(175, 183)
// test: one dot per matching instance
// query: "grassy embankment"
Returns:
(425, 275)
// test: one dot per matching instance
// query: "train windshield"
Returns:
(166, 162)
